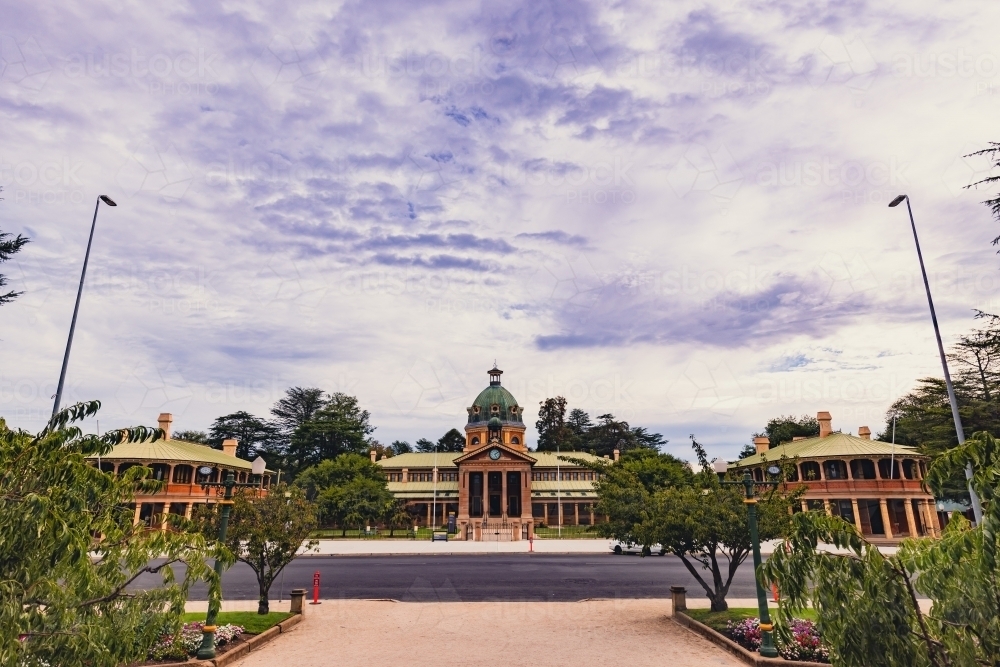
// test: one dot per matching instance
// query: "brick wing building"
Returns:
(495, 488)
(875, 485)
(182, 466)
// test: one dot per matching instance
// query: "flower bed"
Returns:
(187, 642)
(807, 643)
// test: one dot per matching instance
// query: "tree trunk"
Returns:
(719, 604)
(262, 605)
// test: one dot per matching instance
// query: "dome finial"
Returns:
(495, 374)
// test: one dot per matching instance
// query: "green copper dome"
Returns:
(495, 402)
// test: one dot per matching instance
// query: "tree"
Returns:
(252, 434)
(339, 427)
(748, 450)
(360, 502)
(689, 515)
(425, 445)
(452, 441)
(8, 248)
(298, 406)
(337, 472)
(785, 428)
(609, 434)
(579, 425)
(400, 447)
(65, 596)
(199, 437)
(266, 533)
(553, 432)
(397, 516)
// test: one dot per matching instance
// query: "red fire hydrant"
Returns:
(315, 588)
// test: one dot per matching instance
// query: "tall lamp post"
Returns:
(977, 508)
(207, 649)
(76, 309)
(767, 648)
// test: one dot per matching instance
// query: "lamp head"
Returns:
(720, 466)
(258, 466)
(108, 200)
(897, 201)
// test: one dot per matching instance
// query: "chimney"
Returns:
(618, 454)
(165, 419)
(229, 447)
(824, 420)
(761, 443)
(865, 432)
(373, 453)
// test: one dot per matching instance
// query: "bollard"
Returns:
(298, 597)
(678, 595)
(315, 588)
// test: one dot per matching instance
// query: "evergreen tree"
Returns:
(339, 427)
(253, 435)
(452, 441)
(298, 406)
(783, 429)
(425, 445)
(400, 447)
(553, 432)
(8, 248)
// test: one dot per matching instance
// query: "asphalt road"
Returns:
(478, 578)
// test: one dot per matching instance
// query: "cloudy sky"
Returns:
(673, 212)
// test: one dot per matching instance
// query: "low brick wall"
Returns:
(728, 644)
(252, 644)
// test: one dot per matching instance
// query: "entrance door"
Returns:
(495, 492)
(513, 494)
(475, 494)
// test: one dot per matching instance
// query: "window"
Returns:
(835, 469)
(515, 440)
(495, 408)
(810, 471)
(862, 469)
(475, 440)
(475, 409)
(182, 475)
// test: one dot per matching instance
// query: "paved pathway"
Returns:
(503, 634)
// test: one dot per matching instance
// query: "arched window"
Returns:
(475, 440)
(863, 469)
(835, 469)
(810, 471)
(515, 440)
(182, 474)
(909, 469)
(884, 469)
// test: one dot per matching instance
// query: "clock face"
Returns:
(495, 454)
(205, 470)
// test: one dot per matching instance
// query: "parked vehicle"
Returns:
(620, 548)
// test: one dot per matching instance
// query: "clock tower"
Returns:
(494, 470)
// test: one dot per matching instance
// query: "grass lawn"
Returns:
(568, 532)
(717, 619)
(251, 621)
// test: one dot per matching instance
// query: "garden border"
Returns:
(252, 644)
(722, 641)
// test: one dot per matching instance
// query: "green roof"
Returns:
(564, 486)
(835, 444)
(172, 451)
(423, 487)
(421, 460)
(495, 395)
(447, 459)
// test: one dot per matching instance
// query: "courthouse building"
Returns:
(495, 488)
(875, 485)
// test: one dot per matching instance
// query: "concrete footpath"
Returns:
(387, 547)
(394, 547)
(589, 633)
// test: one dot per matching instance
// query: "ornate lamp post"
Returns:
(207, 649)
(767, 648)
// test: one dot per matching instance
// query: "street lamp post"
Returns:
(76, 309)
(767, 648)
(207, 649)
(977, 508)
